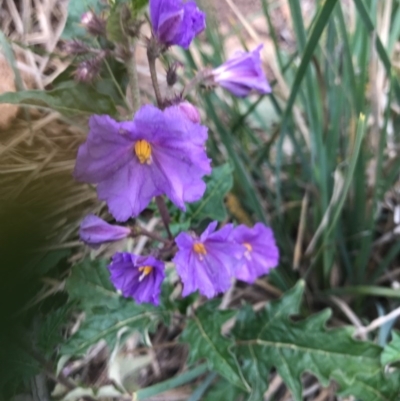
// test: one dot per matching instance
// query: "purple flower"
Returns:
(95, 231)
(159, 152)
(176, 23)
(138, 277)
(207, 263)
(261, 254)
(242, 73)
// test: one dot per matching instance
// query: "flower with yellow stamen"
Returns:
(143, 151)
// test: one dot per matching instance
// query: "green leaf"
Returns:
(90, 285)
(106, 312)
(76, 8)
(203, 333)
(271, 339)
(212, 204)
(223, 390)
(391, 353)
(16, 366)
(138, 5)
(114, 27)
(50, 330)
(51, 260)
(106, 325)
(69, 99)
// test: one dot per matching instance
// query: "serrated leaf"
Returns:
(50, 330)
(106, 312)
(223, 390)
(271, 339)
(69, 98)
(212, 204)
(107, 324)
(114, 29)
(76, 8)
(16, 366)
(90, 285)
(203, 333)
(391, 353)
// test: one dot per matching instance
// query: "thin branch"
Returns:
(162, 207)
(153, 73)
(133, 79)
(137, 231)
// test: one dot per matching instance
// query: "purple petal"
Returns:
(95, 231)
(209, 272)
(128, 278)
(169, 25)
(105, 151)
(130, 190)
(264, 254)
(194, 22)
(242, 74)
(175, 22)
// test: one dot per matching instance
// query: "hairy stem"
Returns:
(133, 79)
(142, 231)
(162, 207)
(203, 75)
(152, 65)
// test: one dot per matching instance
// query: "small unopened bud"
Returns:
(190, 112)
(172, 76)
(75, 47)
(89, 70)
(95, 25)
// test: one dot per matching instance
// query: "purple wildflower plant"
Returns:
(175, 22)
(261, 254)
(159, 152)
(207, 263)
(137, 277)
(94, 231)
(242, 74)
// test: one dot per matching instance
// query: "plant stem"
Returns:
(200, 76)
(117, 86)
(153, 73)
(162, 207)
(142, 231)
(133, 79)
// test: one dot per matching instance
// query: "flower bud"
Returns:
(88, 70)
(75, 47)
(94, 231)
(93, 24)
(190, 112)
(242, 74)
(175, 22)
(172, 76)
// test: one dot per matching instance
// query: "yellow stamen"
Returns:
(146, 271)
(143, 151)
(248, 247)
(199, 248)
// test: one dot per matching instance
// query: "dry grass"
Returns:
(38, 149)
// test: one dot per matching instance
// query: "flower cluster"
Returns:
(205, 263)
(162, 152)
